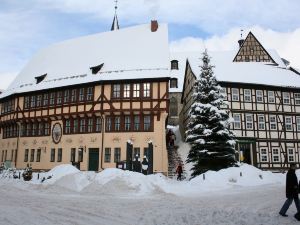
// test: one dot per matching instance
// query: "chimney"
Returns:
(154, 25)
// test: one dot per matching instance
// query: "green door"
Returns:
(93, 159)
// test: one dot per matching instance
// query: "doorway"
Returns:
(93, 159)
(245, 152)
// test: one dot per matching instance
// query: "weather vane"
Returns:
(116, 6)
(242, 33)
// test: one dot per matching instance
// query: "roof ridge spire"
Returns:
(115, 23)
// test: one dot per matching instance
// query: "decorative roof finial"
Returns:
(241, 41)
(115, 24)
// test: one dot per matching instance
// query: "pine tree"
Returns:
(212, 143)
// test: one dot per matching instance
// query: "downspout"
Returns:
(19, 132)
(102, 144)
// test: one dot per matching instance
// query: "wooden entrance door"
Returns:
(93, 159)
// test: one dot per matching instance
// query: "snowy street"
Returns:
(31, 204)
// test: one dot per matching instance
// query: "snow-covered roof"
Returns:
(246, 72)
(130, 53)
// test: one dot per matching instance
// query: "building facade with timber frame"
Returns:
(263, 94)
(95, 100)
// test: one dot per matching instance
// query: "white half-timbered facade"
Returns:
(264, 100)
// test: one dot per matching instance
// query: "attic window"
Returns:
(174, 65)
(39, 79)
(96, 69)
(173, 83)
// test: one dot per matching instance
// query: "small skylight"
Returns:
(39, 79)
(96, 69)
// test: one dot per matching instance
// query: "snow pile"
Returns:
(58, 172)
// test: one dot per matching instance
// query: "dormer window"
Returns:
(173, 83)
(39, 79)
(174, 65)
(96, 69)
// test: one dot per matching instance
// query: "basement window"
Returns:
(96, 69)
(39, 79)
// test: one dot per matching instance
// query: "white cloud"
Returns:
(285, 43)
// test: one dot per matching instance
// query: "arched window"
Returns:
(174, 65)
(173, 107)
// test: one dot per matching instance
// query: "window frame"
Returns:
(247, 96)
(262, 155)
(260, 96)
(235, 97)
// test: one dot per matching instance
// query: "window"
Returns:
(38, 155)
(47, 129)
(174, 65)
(173, 83)
(66, 96)
(33, 131)
(136, 90)
(52, 155)
(117, 155)
(273, 123)
(297, 98)
(126, 92)
(247, 95)
(90, 125)
(74, 95)
(249, 121)
(146, 92)
(288, 123)
(107, 155)
(68, 127)
(80, 155)
(127, 123)
(98, 124)
(298, 123)
(136, 123)
(235, 94)
(286, 98)
(146, 152)
(73, 152)
(271, 97)
(117, 123)
(40, 129)
(32, 102)
(25, 156)
(82, 125)
(116, 91)
(75, 126)
(52, 98)
(275, 155)
(26, 102)
(89, 94)
(59, 155)
(81, 94)
(237, 121)
(136, 151)
(291, 155)
(261, 122)
(32, 155)
(39, 101)
(108, 124)
(45, 100)
(259, 96)
(263, 155)
(28, 129)
(147, 123)
(223, 92)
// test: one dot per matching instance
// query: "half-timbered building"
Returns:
(96, 100)
(263, 93)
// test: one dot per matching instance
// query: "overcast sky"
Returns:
(28, 25)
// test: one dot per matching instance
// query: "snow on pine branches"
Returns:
(212, 142)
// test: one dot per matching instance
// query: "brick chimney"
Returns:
(154, 25)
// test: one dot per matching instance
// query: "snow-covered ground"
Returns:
(122, 197)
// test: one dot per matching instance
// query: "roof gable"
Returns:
(252, 51)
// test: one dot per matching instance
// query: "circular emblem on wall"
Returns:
(56, 133)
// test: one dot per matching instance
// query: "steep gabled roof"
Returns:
(253, 51)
